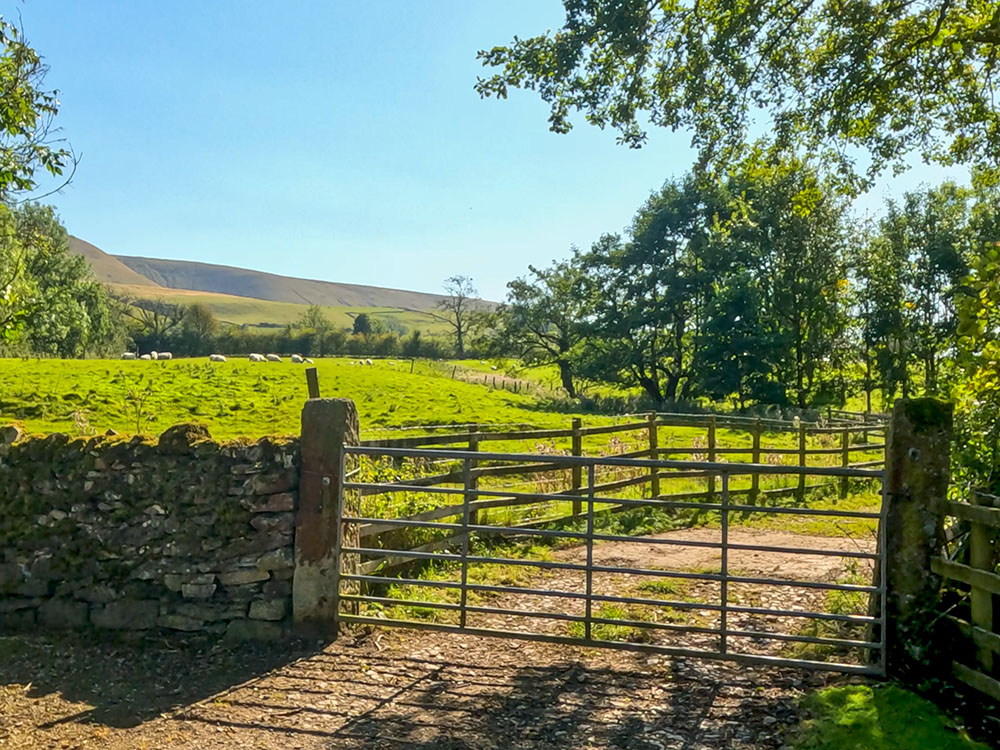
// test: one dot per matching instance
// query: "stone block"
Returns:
(268, 609)
(198, 590)
(277, 503)
(278, 559)
(240, 577)
(272, 484)
(126, 615)
(277, 588)
(180, 622)
(282, 523)
(10, 577)
(62, 614)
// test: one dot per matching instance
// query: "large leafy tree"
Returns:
(27, 137)
(541, 322)
(645, 294)
(834, 76)
(54, 305)
(909, 272)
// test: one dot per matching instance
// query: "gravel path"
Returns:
(410, 689)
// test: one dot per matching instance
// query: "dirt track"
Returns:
(407, 689)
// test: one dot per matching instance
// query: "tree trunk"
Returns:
(673, 380)
(652, 388)
(566, 375)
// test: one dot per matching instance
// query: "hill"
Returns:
(108, 268)
(242, 282)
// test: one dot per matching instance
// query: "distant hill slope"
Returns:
(207, 277)
(108, 268)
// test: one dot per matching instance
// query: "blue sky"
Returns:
(333, 140)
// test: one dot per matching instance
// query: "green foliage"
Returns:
(879, 717)
(542, 319)
(884, 77)
(26, 114)
(49, 301)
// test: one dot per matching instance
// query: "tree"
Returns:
(542, 320)
(362, 325)
(314, 319)
(199, 326)
(458, 308)
(886, 77)
(49, 301)
(26, 117)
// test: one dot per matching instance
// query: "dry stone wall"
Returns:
(183, 533)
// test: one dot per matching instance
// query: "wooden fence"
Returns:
(976, 582)
(468, 477)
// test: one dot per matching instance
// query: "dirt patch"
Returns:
(390, 689)
(763, 564)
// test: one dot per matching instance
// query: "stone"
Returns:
(126, 615)
(282, 523)
(268, 609)
(62, 614)
(180, 438)
(239, 577)
(278, 559)
(12, 605)
(243, 593)
(212, 612)
(277, 588)
(270, 484)
(33, 587)
(253, 630)
(173, 581)
(180, 622)
(10, 434)
(198, 590)
(99, 594)
(277, 503)
(10, 576)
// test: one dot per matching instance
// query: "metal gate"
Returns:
(731, 565)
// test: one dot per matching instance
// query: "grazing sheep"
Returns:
(369, 362)
(297, 359)
(273, 358)
(164, 355)
(153, 355)
(216, 358)
(309, 361)
(257, 358)
(145, 356)
(493, 367)
(128, 355)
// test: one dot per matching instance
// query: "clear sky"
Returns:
(331, 139)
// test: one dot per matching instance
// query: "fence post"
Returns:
(473, 478)
(755, 477)
(711, 457)
(981, 557)
(801, 492)
(327, 425)
(654, 474)
(916, 483)
(577, 471)
(845, 459)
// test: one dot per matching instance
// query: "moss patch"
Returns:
(883, 717)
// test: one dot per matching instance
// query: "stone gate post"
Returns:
(918, 446)
(327, 425)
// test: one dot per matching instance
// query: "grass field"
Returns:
(240, 399)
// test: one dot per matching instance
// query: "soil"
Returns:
(382, 688)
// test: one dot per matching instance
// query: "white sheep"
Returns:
(493, 367)
(297, 359)
(273, 358)
(309, 361)
(128, 355)
(164, 355)
(369, 362)
(216, 358)
(257, 358)
(153, 355)
(145, 356)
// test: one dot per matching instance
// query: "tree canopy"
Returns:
(833, 77)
